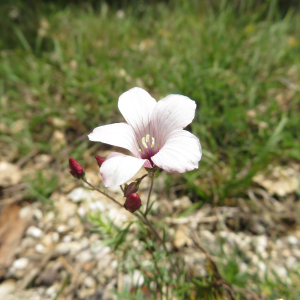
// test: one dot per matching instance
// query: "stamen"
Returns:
(144, 143)
(140, 150)
(147, 138)
(153, 142)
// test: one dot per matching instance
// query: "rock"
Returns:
(65, 210)
(62, 228)
(181, 238)
(26, 212)
(58, 140)
(42, 161)
(261, 243)
(34, 232)
(81, 212)
(281, 181)
(9, 174)
(292, 240)
(89, 282)
(38, 214)
(40, 248)
(280, 271)
(7, 287)
(182, 203)
(84, 256)
(21, 263)
(62, 249)
(133, 280)
(80, 194)
(97, 205)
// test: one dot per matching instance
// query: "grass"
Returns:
(62, 69)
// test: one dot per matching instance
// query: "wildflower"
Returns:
(133, 202)
(76, 168)
(100, 160)
(153, 134)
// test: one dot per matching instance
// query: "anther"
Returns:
(153, 142)
(144, 143)
(147, 138)
(140, 150)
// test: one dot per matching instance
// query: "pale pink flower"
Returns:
(153, 134)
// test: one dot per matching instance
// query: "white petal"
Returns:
(171, 113)
(119, 168)
(181, 153)
(118, 134)
(136, 105)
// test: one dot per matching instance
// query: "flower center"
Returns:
(148, 146)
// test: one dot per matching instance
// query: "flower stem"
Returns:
(150, 191)
(101, 192)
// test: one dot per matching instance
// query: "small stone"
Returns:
(182, 203)
(38, 214)
(81, 212)
(84, 242)
(84, 256)
(292, 240)
(9, 174)
(67, 239)
(62, 249)
(62, 229)
(97, 205)
(39, 248)
(7, 287)
(280, 271)
(21, 263)
(133, 280)
(181, 238)
(55, 237)
(34, 232)
(90, 282)
(291, 262)
(26, 212)
(79, 194)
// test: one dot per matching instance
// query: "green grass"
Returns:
(240, 64)
(229, 60)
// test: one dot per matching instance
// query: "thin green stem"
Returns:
(150, 191)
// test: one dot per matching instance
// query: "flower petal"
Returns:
(181, 153)
(119, 168)
(118, 134)
(171, 113)
(136, 105)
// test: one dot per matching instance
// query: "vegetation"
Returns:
(64, 67)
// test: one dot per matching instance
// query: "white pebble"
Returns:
(21, 263)
(89, 282)
(34, 232)
(292, 240)
(81, 212)
(39, 248)
(55, 237)
(38, 214)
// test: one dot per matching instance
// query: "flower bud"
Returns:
(76, 168)
(100, 160)
(133, 202)
(133, 187)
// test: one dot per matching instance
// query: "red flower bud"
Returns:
(100, 160)
(133, 187)
(76, 168)
(133, 202)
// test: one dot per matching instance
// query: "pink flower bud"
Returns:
(133, 202)
(133, 187)
(100, 160)
(76, 168)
